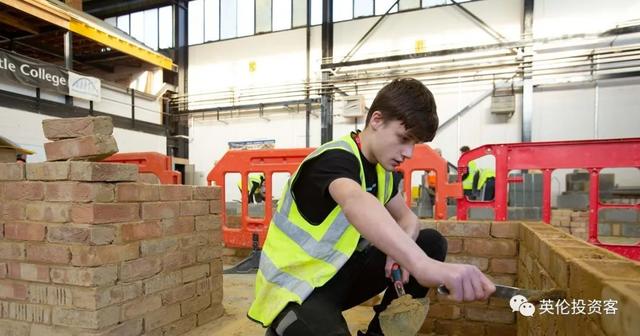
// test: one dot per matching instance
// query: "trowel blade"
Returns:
(507, 292)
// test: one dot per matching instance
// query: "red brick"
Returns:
(454, 245)
(178, 259)
(464, 229)
(99, 297)
(29, 272)
(78, 192)
(24, 231)
(24, 191)
(12, 251)
(176, 226)
(178, 294)
(175, 192)
(103, 172)
(490, 247)
(92, 147)
(444, 311)
(79, 233)
(141, 306)
(161, 317)
(199, 238)
(485, 314)
(209, 252)
(83, 276)
(3, 270)
(480, 262)
(65, 128)
(137, 192)
(100, 213)
(160, 210)
(195, 304)
(505, 229)
(12, 172)
(48, 212)
(48, 253)
(206, 193)
(195, 272)
(48, 171)
(215, 207)
(141, 230)
(13, 290)
(158, 246)
(504, 265)
(148, 178)
(179, 327)
(194, 208)
(140, 269)
(13, 210)
(88, 319)
(100, 255)
(162, 281)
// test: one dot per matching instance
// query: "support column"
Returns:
(68, 59)
(326, 100)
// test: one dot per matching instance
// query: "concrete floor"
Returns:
(238, 295)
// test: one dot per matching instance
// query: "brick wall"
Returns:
(493, 248)
(550, 258)
(85, 250)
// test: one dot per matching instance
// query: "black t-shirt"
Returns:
(311, 187)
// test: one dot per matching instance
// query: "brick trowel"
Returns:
(532, 295)
(405, 315)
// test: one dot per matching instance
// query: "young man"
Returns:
(340, 225)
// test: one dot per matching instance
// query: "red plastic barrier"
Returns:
(271, 161)
(592, 155)
(150, 162)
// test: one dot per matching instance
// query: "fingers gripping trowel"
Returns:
(532, 295)
(405, 315)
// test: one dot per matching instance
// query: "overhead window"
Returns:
(165, 30)
(362, 8)
(281, 14)
(211, 20)
(245, 17)
(228, 19)
(383, 5)
(263, 16)
(196, 22)
(299, 13)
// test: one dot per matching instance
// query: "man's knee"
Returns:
(433, 243)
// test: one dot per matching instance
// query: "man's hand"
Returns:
(387, 270)
(464, 282)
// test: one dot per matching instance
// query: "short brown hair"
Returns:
(408, 100)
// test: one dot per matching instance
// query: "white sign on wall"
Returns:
(84, 87)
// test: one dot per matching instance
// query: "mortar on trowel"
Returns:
(405, 315)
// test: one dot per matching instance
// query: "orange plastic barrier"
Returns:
(150, 162)
(269, 161)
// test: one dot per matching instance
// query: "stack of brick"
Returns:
(573, 222)
(85, 250)
(88, 138)
(493, 248)
(550, 258)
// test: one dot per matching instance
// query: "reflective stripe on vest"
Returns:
(298, 256)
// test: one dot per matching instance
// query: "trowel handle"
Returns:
(443, 290)
(396, 273)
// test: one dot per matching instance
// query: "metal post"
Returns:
(133, 108)
(326, 101)
(68, 59)
(307, 122)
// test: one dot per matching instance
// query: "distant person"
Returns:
(467, 178)
(255, 187)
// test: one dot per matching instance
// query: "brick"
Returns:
(29, 272)
(12, 251)
(90, 147)
(162, 281)
(106, 254)
(158, 246)
(199, 238)
(178, 259)
(48, 253)
(137, 192)
(48, 171)
(195, 272)
(48, 212)
(65, 128)
(454, 245)
(502, 329)
(81, 233)
(141, 306)
(505, 229)
(90, 319)
(208, 222)
(195, 304)
(82, 276)
(12, 210)
(14, 328)
(209, 285)
(140, 269)
(100, 213)
(24, 191)
(50, 295)
(194, 208)
(446, 327)
(490, 247)
(3, 270)
(179, 327)
(624, 321)
(95, 298)
(480, 262)
(141, 230)
(160, 210)
(148, 178)
(24, 231)
(587, 276)
(78, 192)
(209, 253)
(176, 226)
(503, 265)
(216, 266)
(210, 314)
(126, 328)
(12, 172)
(175, 192)
(485, 314)
(464, 229)
(161, 317)
(206, 193)
(178, 294)
(26, 312)
(444, 311)
(13, 290)
(103, 172)
(215, 207)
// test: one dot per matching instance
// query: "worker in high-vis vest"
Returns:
(341, 224)
(467, 178)
(484, 184)
(255, 187)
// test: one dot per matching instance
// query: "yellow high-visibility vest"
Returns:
(297, 256)
(467, 183)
